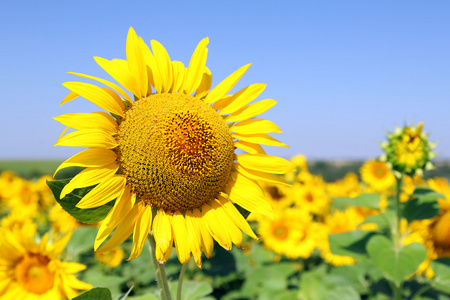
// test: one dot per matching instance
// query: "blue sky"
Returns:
(343, 72)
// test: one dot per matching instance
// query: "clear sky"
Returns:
(343, 72)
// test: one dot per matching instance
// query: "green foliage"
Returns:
(69, 202)
(364, 200)
(423, 205)
(441, 268)
(396, 264)
(351, 243)
(95, 294)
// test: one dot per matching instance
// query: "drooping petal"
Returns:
(161, 256)
(249, 147)
(136, 63)
(124, 229)
(259, 138)
(98, 120)
(207, 240)
(226, 85)
(248, 194)
(195, 237)
(121, 208)
(236, 217)
(69, 97)
(162, 231)
(233, 230)
(260, 176)
(89, 177)
(255, 126)
(96, 157)
(265, 163)
(104, 192)
(251, 110)
(96, 95)
(94, 138)
(141, 231)
(196, 66)
(243, 97)
(164, 64)
(180, 237)
(120, 72)
(205, 84)
(215, 228)
(114, 86)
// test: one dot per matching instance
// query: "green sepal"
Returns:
(69, 202)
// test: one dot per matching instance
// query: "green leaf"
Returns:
(69, 202)
(82, 241)
(342, 292)
(441, 280)
(192, 290)
(95, 294)
(424, 205)
(364, 200)
(395, 264)
(352, 243)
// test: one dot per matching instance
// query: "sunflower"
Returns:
(377, 175)
(408, 150)
(167, 155)
(111, 258)
(32, 270)
(292, 233)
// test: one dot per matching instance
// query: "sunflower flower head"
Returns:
(377, 175)
(31, 269)
(167, 153)
(408, 151)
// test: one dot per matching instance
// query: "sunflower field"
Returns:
(174, 171)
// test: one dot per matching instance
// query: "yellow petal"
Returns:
(222, 102)
(255, 126)
(164, 64)
(249, 147)
(95, 120)
(243, 97)
(178, 75)
(206, 238)
(96, 157)
(106, 191)
(152, 68)
(72, 267)
(162, 231)
(226, 85)
(136, 63)
(260, 176)
(196, 66)
(141, 231)
(233, 230)
(69, 97)
(89, 177)
(205, 84)
(120, 72)
(121, 208)
(236, 217)
(259, 138)
(114, 86)
(96, 95)
(265, 163)
(125, 229)
(195, 237)
(180, 237)
(248, 194)
(162, 257)
(215, 228)
(251, 110)
(94, 138)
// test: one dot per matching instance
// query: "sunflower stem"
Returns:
(180, 280)
(397, 232)
(160, 271)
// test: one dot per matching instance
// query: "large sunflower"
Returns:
(167, 156)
